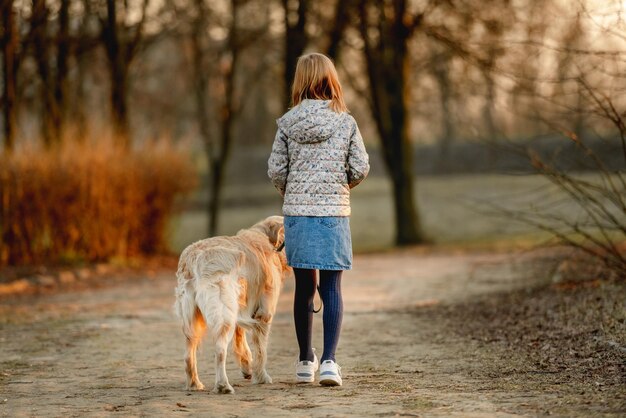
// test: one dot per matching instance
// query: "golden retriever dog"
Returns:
(227, 285)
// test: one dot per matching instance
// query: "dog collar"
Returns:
(280, 247)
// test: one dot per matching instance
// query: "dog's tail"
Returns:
(247, 322)
(217, 288)
(208, 296)
(186, 310)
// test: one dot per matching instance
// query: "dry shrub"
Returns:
(89, 202)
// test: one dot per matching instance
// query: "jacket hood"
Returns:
(311, 121)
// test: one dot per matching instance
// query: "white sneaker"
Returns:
(305, 370)
(330, 373)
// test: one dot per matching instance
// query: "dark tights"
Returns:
(330, 292)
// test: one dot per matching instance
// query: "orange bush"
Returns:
(89, 202)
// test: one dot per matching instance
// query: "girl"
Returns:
(317, 157)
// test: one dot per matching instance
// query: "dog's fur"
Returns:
(228, 285)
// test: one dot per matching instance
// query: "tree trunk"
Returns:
(60, 84)
(9, 74)
(228, 113)
(441, 71)
(215, 194)
(121, 43)
(83, 58)
(489, 106)
(342, 19)
(118, 75)
(219, 168)
(217, 153)
(42, 46)
(200, 88)
(119, 102)
(399, 156)
(296, 40)
(387, 64)
(488, 118)
(568, 68)
(580, 113)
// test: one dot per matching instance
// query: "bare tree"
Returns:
(62, 67)
(599, 226)
(10, 57)
(440, 67)
(53, 76)
(386, 27)
(121, 41)
(200, 78)
(229, 109)
(296, 39)
(226, 98)
(494, 50)
(525, 93)
(452, 38)
(82, 45)
(344, 10)
(573, 39)
(297, 14)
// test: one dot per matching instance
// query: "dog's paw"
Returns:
(195, 386)
(223, 388)
(262, 378)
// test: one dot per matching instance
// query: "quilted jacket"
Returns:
(317, 157)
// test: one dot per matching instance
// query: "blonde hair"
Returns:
(316, 78)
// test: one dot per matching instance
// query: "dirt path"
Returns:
(118, 350)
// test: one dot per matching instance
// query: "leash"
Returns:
(321, 302)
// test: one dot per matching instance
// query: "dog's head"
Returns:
(274, 229)
(272, 226)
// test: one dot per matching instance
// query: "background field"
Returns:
(449, 206)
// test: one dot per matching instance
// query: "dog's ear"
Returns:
(280, 236)
(276, 234)
(275, 230)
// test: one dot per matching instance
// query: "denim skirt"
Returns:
(318, 242)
